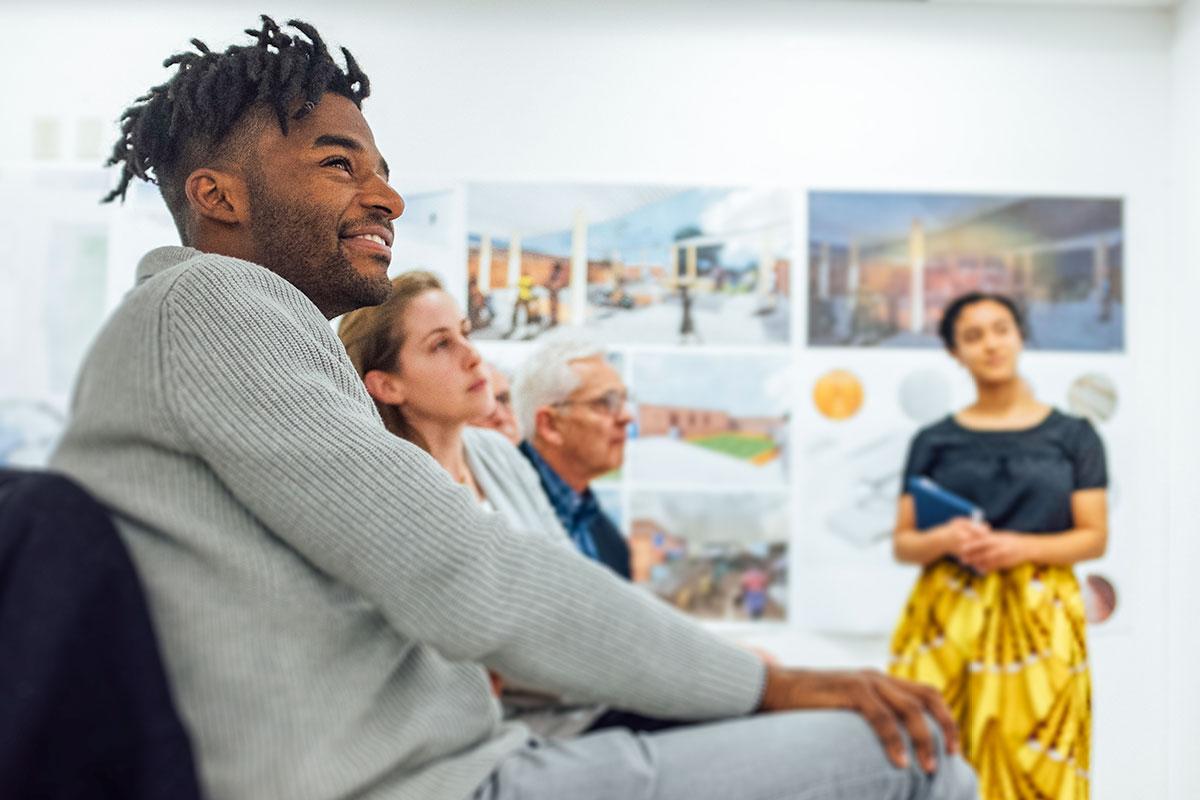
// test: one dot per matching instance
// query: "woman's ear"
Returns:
(384, 387)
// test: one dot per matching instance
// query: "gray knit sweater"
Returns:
(325, 595)
(513, 489)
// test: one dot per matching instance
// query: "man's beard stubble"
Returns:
(300, 242)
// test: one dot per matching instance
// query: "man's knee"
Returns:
(954, 779)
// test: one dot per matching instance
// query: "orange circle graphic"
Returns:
(838, 394)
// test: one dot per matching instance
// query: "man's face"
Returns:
(502, 418)
(321, 209)
(593, 437)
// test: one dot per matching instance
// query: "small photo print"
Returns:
(716, 556)
(882, 267)
(630, 263)
(720, 420)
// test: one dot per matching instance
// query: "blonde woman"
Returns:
(996, 620)
(429, 382)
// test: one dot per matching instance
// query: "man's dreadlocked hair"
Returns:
(175, 127)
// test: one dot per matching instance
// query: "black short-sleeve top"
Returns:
(1023, 479)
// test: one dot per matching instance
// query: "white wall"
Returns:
(1184, 456)
(852, 95)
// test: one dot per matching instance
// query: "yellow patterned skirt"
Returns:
(1009, 653)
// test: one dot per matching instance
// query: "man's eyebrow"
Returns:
(353, 145)
(334, 140)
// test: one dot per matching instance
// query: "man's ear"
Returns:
(384, 387)
(546, 427)
(217, 195)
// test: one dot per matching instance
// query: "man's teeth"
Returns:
(370, 237)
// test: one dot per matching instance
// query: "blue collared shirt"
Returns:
(575, 510)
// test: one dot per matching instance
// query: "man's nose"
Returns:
(382, 196)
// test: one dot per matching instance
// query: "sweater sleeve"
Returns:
(264, 394)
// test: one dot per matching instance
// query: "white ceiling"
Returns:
(1060, 3)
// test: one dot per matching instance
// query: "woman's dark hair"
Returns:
(954, 311)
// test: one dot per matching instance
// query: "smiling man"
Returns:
(327, 597)
(327, 228)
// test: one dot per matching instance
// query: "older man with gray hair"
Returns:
(573, 409)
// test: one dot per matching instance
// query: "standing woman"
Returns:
(996, 619)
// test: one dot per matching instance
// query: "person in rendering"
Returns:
(554, 284)
(754, 585)
(479, 306)
(687, 324)
(328, 599)
(996, 619)
(524, 302)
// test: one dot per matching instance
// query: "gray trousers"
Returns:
(799, 755)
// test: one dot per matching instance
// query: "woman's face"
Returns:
(987, 341)
(440, 373)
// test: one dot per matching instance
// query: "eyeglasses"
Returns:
(612, 402)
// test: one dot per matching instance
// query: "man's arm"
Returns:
(267, 398)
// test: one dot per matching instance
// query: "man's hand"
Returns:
(993, 552)
(885, 702)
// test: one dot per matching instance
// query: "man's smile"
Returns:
(372, 240)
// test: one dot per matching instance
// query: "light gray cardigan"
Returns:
(510, 484)
(324, 593)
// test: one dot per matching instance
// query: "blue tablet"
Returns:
(936, 505)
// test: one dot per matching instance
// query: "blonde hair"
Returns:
(374, 336)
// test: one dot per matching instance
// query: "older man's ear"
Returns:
(546, 427)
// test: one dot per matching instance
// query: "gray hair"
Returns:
(546, 378)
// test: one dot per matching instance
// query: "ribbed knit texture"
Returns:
(510, 484)
(323, 592)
